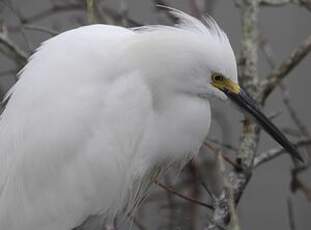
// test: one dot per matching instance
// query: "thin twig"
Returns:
(13, 48)
(124, 8)
(51, 11)
(139, 225)
(7, 72)
(183, 196)
(229, 198)
(297, 184)
(279, 73)
(17, 13)
(274, 153)
(292, 112)
(226, 158)
(160, 5)
(171, 205)
(305, 3)
(41, 29)
(90, 14)
(291, 214)
(224, 145)
(292, 132)
(204, 185)
(117, 17)
(195, 11)
(267, 51)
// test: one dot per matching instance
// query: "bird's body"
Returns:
(98, 111)
(70, 134)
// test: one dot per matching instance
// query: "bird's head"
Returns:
(195, 58)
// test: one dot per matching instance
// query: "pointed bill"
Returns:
(246, 103)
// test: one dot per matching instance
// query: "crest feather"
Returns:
(208, 26)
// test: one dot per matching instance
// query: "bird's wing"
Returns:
(68, 134)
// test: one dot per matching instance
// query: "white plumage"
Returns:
(98, 111)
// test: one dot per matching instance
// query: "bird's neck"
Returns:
(178, 128)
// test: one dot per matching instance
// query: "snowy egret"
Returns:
(101, 110)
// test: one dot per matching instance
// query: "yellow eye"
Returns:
(217, 77)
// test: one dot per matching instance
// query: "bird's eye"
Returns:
(217, 77)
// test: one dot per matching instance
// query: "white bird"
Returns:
(100, 110)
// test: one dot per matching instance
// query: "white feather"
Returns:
(97, 112)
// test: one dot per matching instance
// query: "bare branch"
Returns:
(279, 73)
(267, 51)
(119, 17)
(297, 184)
(171, 204)
(249, 78)
(228, 208)
(221, 214)
(276, 2)
(286, 100)
(7, 72)
(41, 29)
(90, 14)
(274, 153)
(124, 8)
(183, 196)
(224, 145)
(227, 159)
(285, 93)
(291, 215)
(51, 11)
(139, 225)
(305, 3)
(17, 52)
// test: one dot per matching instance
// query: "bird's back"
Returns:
(62, 133)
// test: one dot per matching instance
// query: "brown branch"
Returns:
(195, 192)
(279, 73)
(275, 2)
(226, 158)
(183, 196)
(171, 205)
(297, 184)
(221, 144)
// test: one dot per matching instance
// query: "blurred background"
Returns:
(267, 200)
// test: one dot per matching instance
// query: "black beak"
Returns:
(245, 102)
